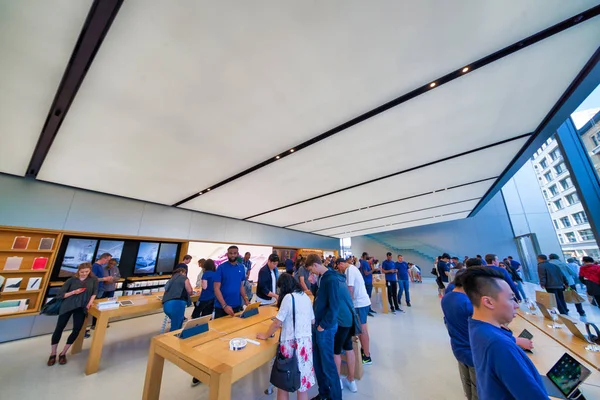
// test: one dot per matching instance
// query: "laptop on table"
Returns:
(565, 377)
(574, 330)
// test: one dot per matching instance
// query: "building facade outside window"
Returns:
(558, 204)
(572, 198)
(574, 244)
(580, 218)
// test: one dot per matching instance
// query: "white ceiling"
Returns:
(183, 95)
(36, 42)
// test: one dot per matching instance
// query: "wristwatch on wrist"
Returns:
(225, 306)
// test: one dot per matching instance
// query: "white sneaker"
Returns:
(352, 386)
(342, 383)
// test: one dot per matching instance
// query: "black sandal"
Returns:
(51, 360)
(62, 359)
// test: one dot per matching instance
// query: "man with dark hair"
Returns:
(103, 278)
(403, 280)
(457, 309)
(471, 262)
(266, 289)
(492, 262)
(229, 285)
(553, 281)
(503, 370)
(184, 264)
(571, 276)
(391, 280)
(289, 263)
(326, 305)
(367, 273)
(482, 260)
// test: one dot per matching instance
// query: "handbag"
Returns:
(52, 307)
(572, 297)
(285, 374)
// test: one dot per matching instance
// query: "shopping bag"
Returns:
(358, 365)
(572, 297)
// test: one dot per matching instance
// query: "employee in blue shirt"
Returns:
(492, 262)
(367, 273)
(403, 280)
(229, 285)
(98, 271)
(391, 281)
(289, 264)
(457, 310)
(503, 370)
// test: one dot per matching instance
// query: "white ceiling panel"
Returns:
(185, 94)
(472, 167)
(416, 216)
(442, 197)
(36, 41)
(481, 108)
(404, 225)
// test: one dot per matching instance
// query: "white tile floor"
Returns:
(411, 354)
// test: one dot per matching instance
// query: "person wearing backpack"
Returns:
(295, 318)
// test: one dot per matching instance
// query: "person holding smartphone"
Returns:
(78, 294)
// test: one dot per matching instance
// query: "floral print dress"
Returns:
(301, 339)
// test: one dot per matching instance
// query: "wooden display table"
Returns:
(141, 304)
(547, 351)
(207, 356)
(380, 285)
(564, 337)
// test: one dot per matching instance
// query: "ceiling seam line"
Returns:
(396, 173)
(480, 63)
(396, 215)
(400, 223)
(393, 201)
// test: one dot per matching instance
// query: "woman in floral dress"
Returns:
(301, 339)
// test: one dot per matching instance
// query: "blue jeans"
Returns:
(324, 364)
(521, 290)
(403, 287)
(175, 310)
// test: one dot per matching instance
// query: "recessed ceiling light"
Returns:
(432, 84)
(208, 190)
(277, 157)
(465, 69)
(292, 150)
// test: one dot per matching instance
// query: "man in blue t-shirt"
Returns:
(367, 273)
(391, 281)
(229, 285)
(403, 279)
(492, 262)
(457, 310)
(503, 370)
(98, 270)
(289, 264)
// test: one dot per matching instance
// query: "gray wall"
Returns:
(35, 204)
(488, 232)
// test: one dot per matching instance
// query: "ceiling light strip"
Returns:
(401, 223)
(506, 51)
(464, 153)
(392, 201)
(98, 22)
(396, 215)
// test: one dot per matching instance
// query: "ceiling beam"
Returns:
(424, 88)
(98, 22)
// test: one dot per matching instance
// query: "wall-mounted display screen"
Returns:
(145, 263)
(166, 257)
(78, 251)
(113, 247)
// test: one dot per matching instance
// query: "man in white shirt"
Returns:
(362, 304)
